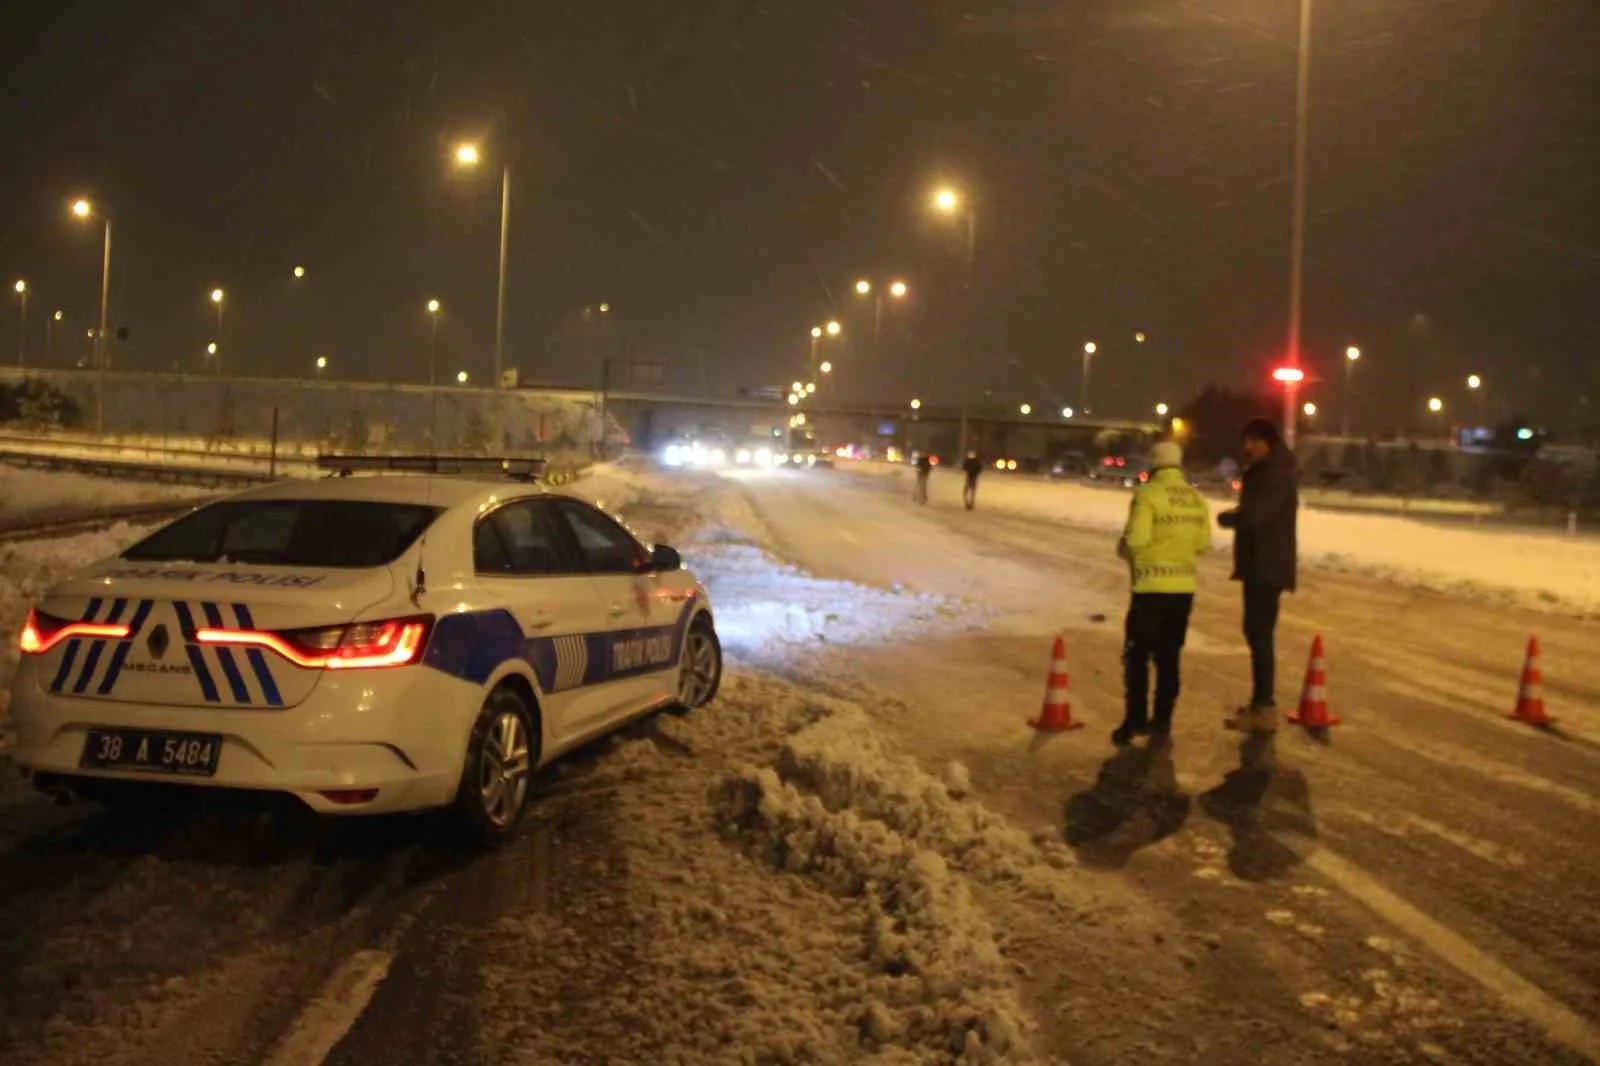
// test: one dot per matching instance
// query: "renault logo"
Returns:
(158, 641)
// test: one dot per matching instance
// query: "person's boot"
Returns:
(1253, 719)
(1123, 735)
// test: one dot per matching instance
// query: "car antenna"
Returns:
(419, 586)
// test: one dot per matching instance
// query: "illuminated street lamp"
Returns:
(916, 405)
(83, 209)
(948, 201)
(834, 329)
(49, 325)
(211, 349)
(1352, 356)
(1089, 348)
(1161, 410)
(863, 287)
(1310, 409)
(216, 298)
(1435, 405)
(1475, 383)
(816, 333)
(793, 399)
(811, 387)
(898, 289)
(461, 377)
(434, 307)
(1139, 337)
(21, 288)
(321, 364)
(826, 367)
(1026, 409)
(1067, 412)
(467, 156)
(299, 272)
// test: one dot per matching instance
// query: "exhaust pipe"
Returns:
(62, 795)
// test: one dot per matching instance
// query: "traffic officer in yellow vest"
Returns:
(1169, 527)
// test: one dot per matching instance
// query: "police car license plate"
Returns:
(185, 754)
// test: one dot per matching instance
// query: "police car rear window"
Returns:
(335, 534)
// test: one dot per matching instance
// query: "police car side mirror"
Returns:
(663, 557)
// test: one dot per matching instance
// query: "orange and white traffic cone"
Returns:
(1530, 693)
(1056, 717)
(1313, 710)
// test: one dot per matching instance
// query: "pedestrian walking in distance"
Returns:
(1264, 560)
(1169, 528)
(973, 466)
(924, 471)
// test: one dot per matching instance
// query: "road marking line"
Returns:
(1559, 1021)
(330, 1015)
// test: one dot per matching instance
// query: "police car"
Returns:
(373, 641)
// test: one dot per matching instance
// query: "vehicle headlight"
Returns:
(764, 456)
(673, 455)
(742, 456)
(717, 457)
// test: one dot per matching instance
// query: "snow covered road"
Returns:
(862, 853)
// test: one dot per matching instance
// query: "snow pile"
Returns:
(836, 805)
(29, 568)
(1534, 569)
(26, 493)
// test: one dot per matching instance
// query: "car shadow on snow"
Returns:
(1257, 801)
(1134, 803)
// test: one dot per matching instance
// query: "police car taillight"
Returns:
(357, 646)
(41, 631)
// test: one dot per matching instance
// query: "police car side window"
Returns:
(607, 548)
(521, 539)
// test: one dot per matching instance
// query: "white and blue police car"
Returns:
(373, 641)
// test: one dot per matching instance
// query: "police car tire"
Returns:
(701, 629)
(469, 804)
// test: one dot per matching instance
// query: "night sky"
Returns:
(721, 172)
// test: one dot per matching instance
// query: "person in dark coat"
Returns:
(1265, 553)
(924, 471)
(972, 467)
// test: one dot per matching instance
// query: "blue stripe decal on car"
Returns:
(120, 656)
(258, 660)
(92, 661)
(472, 646)
(70, 656)
(197, 658)
(230, 669)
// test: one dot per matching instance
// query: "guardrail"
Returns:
(133, 470)
(68, 523)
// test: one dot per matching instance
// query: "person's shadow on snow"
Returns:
(1134, 803)
(1256, 801)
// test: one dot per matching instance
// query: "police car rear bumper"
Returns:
(326, 753)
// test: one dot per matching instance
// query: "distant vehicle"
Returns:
(365, 644)
(1117, 470)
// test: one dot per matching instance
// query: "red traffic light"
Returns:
(1289, 375)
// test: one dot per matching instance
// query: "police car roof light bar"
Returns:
(519, 469)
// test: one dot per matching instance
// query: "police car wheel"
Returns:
(493, 795)
(700, 670)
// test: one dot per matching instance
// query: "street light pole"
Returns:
(101, 356)
(1298, 252)
(1351, 355)
(500, 299)
(22, 331)
(1089, 349)
(966, 352)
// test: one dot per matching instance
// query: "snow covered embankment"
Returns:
(1536, 570)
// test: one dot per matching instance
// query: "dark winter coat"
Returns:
(1265, 547)
(973, 467)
